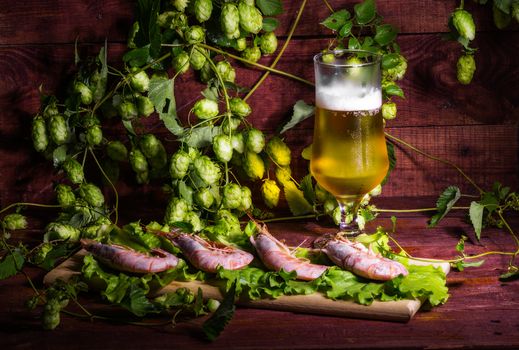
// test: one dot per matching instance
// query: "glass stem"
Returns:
(345, 206)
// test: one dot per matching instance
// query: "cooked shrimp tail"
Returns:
(205, 255)
(128, 260)
(276, 256)
(362, 261)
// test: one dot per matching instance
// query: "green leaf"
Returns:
(385, 34)
(365, 11)
(504, 5)
(460, 246)
(462, 265)
(390, 60)
(393, 89)
(54, 255)
(296, 200)
(444, 204)
(215, 324)
(392, 160)
(162, 95)
(59, 155)
(490, 201)
(201, 136)
(476, 217)
(270, 24)
(337, 20)
(149, 31)
(346, 29)
(138, 57)
(513, 274)
(306, 153)
(270, 7)
(301, 112)
(308, 189)
(11, 264)
(185, 192)
(353, 44)
(129, 127)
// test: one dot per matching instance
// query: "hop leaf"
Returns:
(296, 200)
(444, 204)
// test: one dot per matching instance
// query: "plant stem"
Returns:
(380, 210)
(289, 218)
(444, 161)
(30, 205)
(329, 6)
(111, 184)
(281, 51)
(508, 228)
(238, 58)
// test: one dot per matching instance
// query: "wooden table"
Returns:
(481, 313)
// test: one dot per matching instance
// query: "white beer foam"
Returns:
(344, 97)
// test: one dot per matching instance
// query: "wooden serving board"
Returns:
(400, 311)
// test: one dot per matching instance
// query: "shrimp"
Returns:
(276, 256)
(207, 256)
(362, 261)
(129, 260)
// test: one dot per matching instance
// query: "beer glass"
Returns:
(349, 154)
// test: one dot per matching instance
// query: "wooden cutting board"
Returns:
(400, 311)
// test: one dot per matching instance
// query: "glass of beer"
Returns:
(349, 154)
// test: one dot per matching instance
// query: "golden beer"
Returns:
(349, 155)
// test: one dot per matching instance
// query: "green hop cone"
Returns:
(329, 205)
(268, 43)
(50, 109)
(127, 110)
(139, 80)
(117, 151)
(98, 85)
(206, 73)
(145, 106)
(194, 35)
(180, 5)
(14, 222)
(198, 58)
(85, 94)
(73, 170)
(515, 11)
(397, 72)
(389, 110)
(142, 177)
(41, 253)
(94, 135)
(376, 191)
(176, 211)
(213, 305)
(193, 219)
(237, 143)
(173, 20)
(179, 164)
(270, 193)
(230, 20)
(64, 195)
(252, 54)
(246, 198)
(241, 44)
(283, 175)
(203, 10)
(328, 58)
(464, 24)
(51, 317)
(207, 170)
(254, 140)
(138, 161)
(58, 130)
(92, 195)
(204, 198)
(206, 109)
(278, 151)
(251, 19)
(239, 107)
(466, 67)
(226, 71)
(222, 147)
(39, 134)
(253, 165)
(230, 124)
(227, 222)
(150, 145)
(57, 230)
(232, 196)
(180, 62)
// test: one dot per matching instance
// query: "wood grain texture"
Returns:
(32, 22)
(480, 314)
